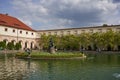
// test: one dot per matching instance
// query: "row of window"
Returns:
(6, 29)
(82, 31)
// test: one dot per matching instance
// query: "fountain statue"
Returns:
(51, 46)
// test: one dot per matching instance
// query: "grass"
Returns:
(46, 55)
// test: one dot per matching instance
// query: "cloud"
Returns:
(116, 1)
(28, 22)
(54, 14)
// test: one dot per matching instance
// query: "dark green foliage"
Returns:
(2, 45)
(104, 25)
(10, 46)
(87, 41)
(18, 46)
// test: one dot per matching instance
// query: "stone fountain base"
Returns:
(52, 50)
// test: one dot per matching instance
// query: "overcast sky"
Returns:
(57, 14)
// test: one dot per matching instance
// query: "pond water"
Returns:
(94, 67)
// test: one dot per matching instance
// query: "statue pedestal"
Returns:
(52, 50)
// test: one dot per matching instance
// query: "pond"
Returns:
(94, 67)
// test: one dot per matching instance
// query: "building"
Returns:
(13, 30)
(76, 31)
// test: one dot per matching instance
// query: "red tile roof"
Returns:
(13, 22)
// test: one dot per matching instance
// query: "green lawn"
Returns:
(46, 55)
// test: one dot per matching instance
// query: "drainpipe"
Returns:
(17, 35)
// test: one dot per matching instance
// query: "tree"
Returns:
(116, 40)
(109, 40)
(104, 25)
(2, 44)
(10, 45)
(84, 40)
(18, 46)
(44, 42)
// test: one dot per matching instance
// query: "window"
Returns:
(13, 30)
(31, 33)
(44, 33)
(62, 32)
(26, 32)
(118, 29)
(91, 30)
(83, 31)
(99, 30)
(6, 29)
(20, 32)
(68, 32)
(49, 33)
(55, 33)
(109, 29)
(75, 32)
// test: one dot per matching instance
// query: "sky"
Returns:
(60, 14)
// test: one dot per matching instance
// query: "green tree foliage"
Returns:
(109, 40)
(18, 46)
(10, 46)
(2, 45)
(104, 25)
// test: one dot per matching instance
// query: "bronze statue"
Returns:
(51, 46)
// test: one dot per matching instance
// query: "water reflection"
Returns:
(95, 67)
(28, 63)
(50, 71)
(15, 69)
